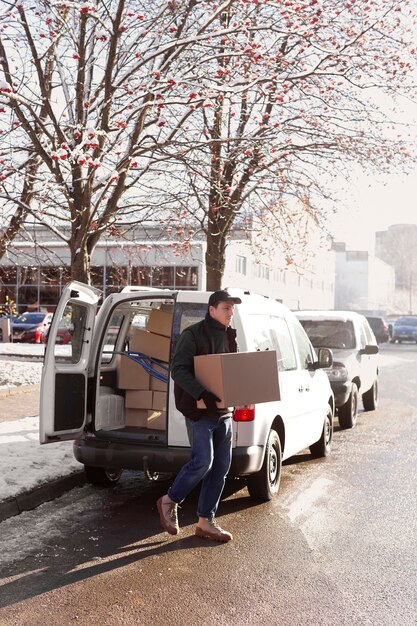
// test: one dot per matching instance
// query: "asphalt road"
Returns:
(337, 546)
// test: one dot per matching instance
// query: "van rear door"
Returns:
(63, 399)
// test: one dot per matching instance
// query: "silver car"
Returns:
(355, 358)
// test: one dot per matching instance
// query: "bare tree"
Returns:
(300, 104)
(88, 90)
(193, 112)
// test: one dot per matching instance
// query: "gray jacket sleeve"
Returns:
(182, 367)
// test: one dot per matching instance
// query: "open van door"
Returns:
(63, 399)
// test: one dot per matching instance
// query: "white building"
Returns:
(34, 272)
(309, 286)
(363, 282)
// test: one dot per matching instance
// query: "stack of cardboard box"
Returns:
(146, 395)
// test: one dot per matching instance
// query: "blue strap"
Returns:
(147, 363)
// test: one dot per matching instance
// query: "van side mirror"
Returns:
(325, 358)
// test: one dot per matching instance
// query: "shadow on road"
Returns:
(126, 530)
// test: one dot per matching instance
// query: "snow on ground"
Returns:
(24, 463)
(17, 373)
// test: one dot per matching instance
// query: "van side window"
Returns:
(112, 332)
(304, 347)
(368, 332)
(283, 344)
(362, 336)
(70, 335)
(260, 330)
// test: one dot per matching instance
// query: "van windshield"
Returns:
(330, 333)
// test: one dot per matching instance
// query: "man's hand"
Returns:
(209, 400)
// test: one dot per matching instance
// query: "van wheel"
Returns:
(348, 413)
(322, 447)
(264, 485)
(102, 476)
(370, 397)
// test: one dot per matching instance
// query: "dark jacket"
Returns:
(205, 337)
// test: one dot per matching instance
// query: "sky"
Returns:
(369, 203)
(373, 204)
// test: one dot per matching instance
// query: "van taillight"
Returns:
(244, 413)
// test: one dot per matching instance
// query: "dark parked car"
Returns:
(31, 327)
(380, 328)
(405, 329)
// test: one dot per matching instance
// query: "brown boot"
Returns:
(168, 515)
(209, 529)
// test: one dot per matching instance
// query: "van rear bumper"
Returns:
(247, 460)
(116, 455)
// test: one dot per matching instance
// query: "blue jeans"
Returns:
(211, 455)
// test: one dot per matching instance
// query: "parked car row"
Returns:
(33, 327)
(29, 327)
(123, 413)
(402, 329)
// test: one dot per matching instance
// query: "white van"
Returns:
(109, 387)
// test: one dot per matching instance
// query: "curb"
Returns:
(32, 499)
(12, 356)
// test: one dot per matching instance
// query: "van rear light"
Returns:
(244, 413)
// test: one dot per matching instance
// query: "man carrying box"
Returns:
(209, 429)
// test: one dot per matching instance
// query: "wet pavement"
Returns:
(19, 402)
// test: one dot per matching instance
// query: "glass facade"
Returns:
(39, 288)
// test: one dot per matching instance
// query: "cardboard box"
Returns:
(239, 378)
(158, 385)
(136, 417)
(139, 399)
(160, 322)
(159, 401)
(155, 346)
(131, 375)
(157, 420)
(110, 412)
(155, 383)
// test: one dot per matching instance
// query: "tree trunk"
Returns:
(215, 260)
(80, 266)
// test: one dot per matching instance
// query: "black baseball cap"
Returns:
(222, 296)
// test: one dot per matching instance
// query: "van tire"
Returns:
(264, 485)
(102, 476)
(370, 397)
(323, 446)
(348, 412)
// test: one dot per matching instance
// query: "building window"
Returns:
(97, 276)
(261, 271)
(186, 277)
(116, 276)
(241, 264)
(40, 288)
